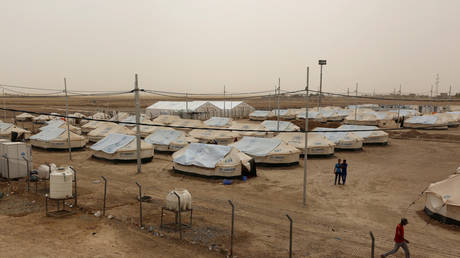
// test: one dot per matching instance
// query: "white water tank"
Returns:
(185, 200)
(45, 169)
(61, 183)
(16, 167)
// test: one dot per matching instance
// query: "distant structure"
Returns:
(436, 83)
(200, 109)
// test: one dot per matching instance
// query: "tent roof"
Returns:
(193, 105)
(448, 189)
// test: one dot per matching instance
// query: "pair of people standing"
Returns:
(340, 171)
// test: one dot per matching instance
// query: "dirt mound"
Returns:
(415, 134)
(313, 124)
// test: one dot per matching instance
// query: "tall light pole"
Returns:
(138, 121)
(321, 63)
(306, 141)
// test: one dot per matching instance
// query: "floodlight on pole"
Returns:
(321, 63)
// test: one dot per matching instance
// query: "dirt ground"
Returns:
(382, 183)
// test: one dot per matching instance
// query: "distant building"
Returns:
(200, 109)
(443, 95)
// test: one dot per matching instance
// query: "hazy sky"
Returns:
(201, 45)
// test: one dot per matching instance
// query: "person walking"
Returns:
(400, 241)
(344, 171)
(337, 171)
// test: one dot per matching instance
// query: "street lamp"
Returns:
(321, 63)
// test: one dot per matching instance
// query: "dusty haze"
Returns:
(201, 45)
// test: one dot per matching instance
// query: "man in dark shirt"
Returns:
(344, 171)
(400, 241)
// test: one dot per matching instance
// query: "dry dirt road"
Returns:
(382, 182)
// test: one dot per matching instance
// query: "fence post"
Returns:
(290, 235)
(373, 244)
(233, 222)
(105, 194)
(28, 174)
(180, 216)
(140, 204)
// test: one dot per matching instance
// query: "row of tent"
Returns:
(365, 116)
(116, 141)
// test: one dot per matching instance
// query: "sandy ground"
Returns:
(382, 182)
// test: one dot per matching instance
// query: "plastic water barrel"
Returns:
(61, 183)
(44, 170)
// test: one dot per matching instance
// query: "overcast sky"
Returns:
(201, 45)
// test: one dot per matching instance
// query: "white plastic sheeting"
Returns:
(49, 134)
(203, 155)
(52, 124)
(272, 125)
(164, 136)
(282, 112)
(112, 142)
(5, 126)
(261, 113)
(362, 134)
(315, 115)
(257, 146)
(341, 139)
(426, 120)
(131, 120)
(218, 121)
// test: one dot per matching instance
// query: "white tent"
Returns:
(121, 147)
(167, 139)
(57, 138)
(166, 119)
(443, 199)
(364, 117)
(426, 122)
(261, 115)
(368, 136)
(6, 130)
(232, 108)
(245, 126)
(312, 115)
(106, 128)
(61, 124)
(91, 125)
(118, 116)
(272, 125)
(284, 113)
(342, 140)
(215, 121)
(177, 107)
(211, 160)
(219, 137)
(130, 121)
(41, 119)
(146, 130)
(317, 143)
(268, 150)
(186, 124)
(100, 115)
(24, 117)
(452, 118)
